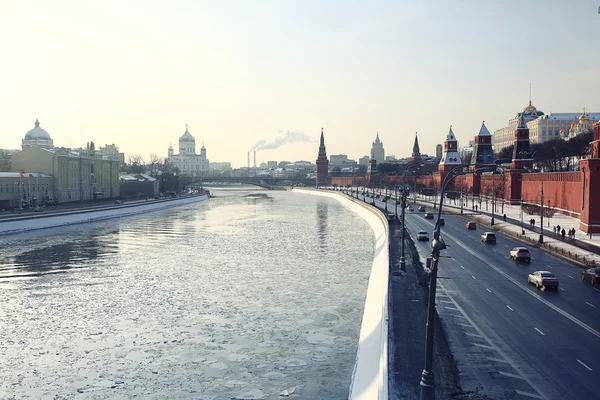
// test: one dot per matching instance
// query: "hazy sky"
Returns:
(134, 73)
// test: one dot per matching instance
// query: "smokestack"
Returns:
(254, 159)
(248, 161)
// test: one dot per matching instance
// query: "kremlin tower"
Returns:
(322, 164)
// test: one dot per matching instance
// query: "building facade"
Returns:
(31, 187)
(64, 174)
(377, 150)
(187, 161)
(545, 127)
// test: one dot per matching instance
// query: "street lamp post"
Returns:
(493, 196)
(437, 245)
(522, 229)
(541, 237)
(386, 199)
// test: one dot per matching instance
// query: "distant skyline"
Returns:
(241, 73)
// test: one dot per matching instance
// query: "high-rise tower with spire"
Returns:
(322, 164)
(377, 150)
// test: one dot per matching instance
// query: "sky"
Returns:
(245, 72)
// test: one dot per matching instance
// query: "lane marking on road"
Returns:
(510, 375)
(507, 306)
(464, 268)
(500, 352)
(535, 396)
(474, 335)
(415, 301)
(581, 362)
(549, 266)
(488, 290)
(485, 346)
(445, 301)
(561, 288)
(497, 360)
(570, 276)
(465, 325)
(494, 251)
(451, 308)
(590, 304)
(525, 288)
(541, 333)
(473, 277)
(596, 289)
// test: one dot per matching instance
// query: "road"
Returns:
(510, 339)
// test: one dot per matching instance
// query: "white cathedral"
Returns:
(188, 162)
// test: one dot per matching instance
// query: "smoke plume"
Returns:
(283, 137)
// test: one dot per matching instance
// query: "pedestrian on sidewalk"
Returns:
(573, 234)
(557, 228)
(554, 229)
(562, 233)
(504, 217)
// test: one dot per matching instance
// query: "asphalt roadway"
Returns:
(509, 339)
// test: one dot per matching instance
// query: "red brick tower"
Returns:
(521, 161)
(589, 218)
(322, 164)
(416, 153)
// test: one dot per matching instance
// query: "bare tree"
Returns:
(136, 164)
(154, 164)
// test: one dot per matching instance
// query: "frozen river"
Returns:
(238, 297)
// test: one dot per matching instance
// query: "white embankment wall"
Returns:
(370, 377)
(51, 220)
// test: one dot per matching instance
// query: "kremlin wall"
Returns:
(572, 193)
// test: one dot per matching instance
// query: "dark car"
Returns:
(543, 280)
(592, 275)
(421, 209)
(391, 217)
(441, 222)
(428, 215)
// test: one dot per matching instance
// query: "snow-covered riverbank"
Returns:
(79, 216)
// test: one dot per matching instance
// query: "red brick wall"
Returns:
(562, 189)
(348, 180)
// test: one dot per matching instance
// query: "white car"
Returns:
(422, 235)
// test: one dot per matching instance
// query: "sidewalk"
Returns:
(512, 227)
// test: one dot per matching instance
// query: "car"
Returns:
(391, 217)
(422, 235)
(421, 209)
(441, 222)
(118, 202)
(543, 280)
(520, 253)
(592, 275)
(428, 215)
(471, 225)
(38, 209)
(384, 200)
(409, 208)
(488, 237)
